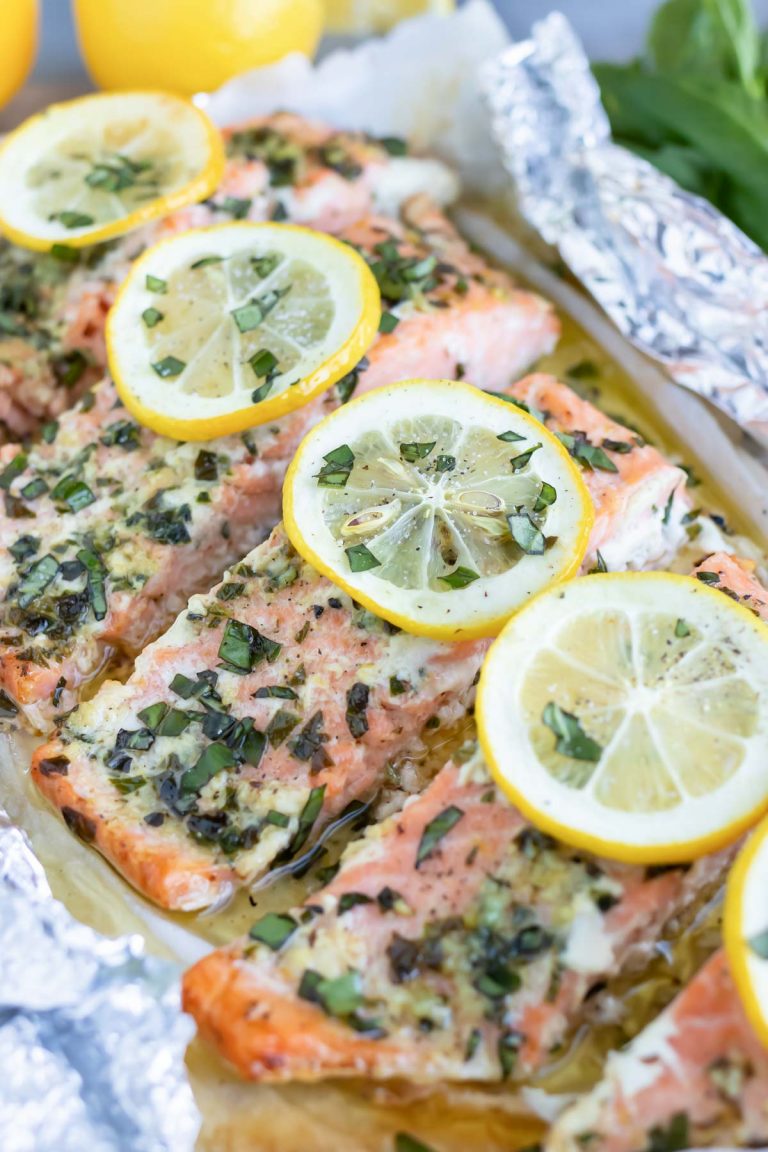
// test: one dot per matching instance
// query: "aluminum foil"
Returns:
(679, 280)
(91, 1036)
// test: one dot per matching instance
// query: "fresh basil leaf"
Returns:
(434, 832)
(572, 740)
(413, 451)
(460, 577)
(273, 930)
(361, 559)
(527, 534)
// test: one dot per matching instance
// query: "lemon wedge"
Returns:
(85, 171)
(437, 506)
(219, 329)
(628, 714)
(746, 928)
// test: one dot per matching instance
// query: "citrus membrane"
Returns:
(628, 714)
(91, 169)
(439, 507)
(219, 329)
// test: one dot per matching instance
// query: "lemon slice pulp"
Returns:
(746, 928)
(219, 329)
(439, 507)
(628, 714)
(94, 168)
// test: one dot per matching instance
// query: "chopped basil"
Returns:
(345, 387)
(97, 578)
(394, 145)
(279, 819)
(591, 455)
(261, 392)
(599, 565)
(206, 262)
(444, 463)
(65, 254)
(263, 362)
(206, 466)
(275, 692)
(460, 577)
(583, 370)
(24, 548)
(708, 577)
(356, 714)
(572, 740)
(169, 366)
(510, 437)
(238, 209)
(230, 591)
(413, 451)
(508, 1048)
(73, 492)
(388, 322)
(623, 447)
(12, 470)
(672, 1138)
(473, 1043)
(498, 982)
(404, 1142)
(546, 497)
(273, 930)
(40, 575)
(668, 507)
(69, 368)
(8, 709)
(309, 743)
(339, 997)
(122, 434)
(49, 431)
(352, 900)
(151, 317)
(361, 559)
(527, 534)
(523, 459)
(280, 726)
(155, 284)
(397, 686)
(309, 815)
(216, 758)
(264, 266)
(35, 488)
(72, 219)
(152, 715)
(435, 831)
(242, 648)
(337, 467)
(251, 315)
(682, 629)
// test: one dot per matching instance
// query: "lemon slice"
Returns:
(628, 714)
(94, 168)
(746, 928)
(361, 17)
(219, 329)
(437, 506)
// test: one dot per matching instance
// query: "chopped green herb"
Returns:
(397, 686)
(280, 726)
(169, 366)
(682, 629)
(279, 819)
(8, 709)
(215, 759)
(623, 447)
(35, 488)
(49, 431)
(668, 507)
(357, 704)
(261, 392)
(473, 1043)
(339, 997)
(230, 591)
(73, 492)
(273, 930)
(510, 437)
(40, 575)
(361, 559)
(308, 745)
(435, 831)
(599, 565)
(12, 470)
(394, 145)
(460, 577)
(337, 467)
(264, 266)
(97, 579)
(65, 254)
(547, 496)
(69, 368)
(242, 648)
(151, 317)
(206, 465)
(498, 982)
(527, 534)
(445, 463)
(263, 362)
(352, 900)
(309, 815)
(708, 577)
(404, 1142)
(523, 459)
(672, 1138)
(583, 370)
(122, 434)
(249, 316)
(413, 451)
(572, 740)
(155, 284)
(388, 322)
(24, 548)
(759, 944)
(238, 209)
(72, 219)
(587, 454)
(508, 1048)
(206, 262)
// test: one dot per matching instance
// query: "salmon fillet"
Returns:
(167, 863)
(455, 942)
(736, 577)
(53, 307)
(697, 1075)
(160, 520)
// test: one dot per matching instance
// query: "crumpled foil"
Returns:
(681, 281)
(91, 1035)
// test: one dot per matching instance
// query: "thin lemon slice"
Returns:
(361, 17)
(746, 928)
(219, 329)
(628, 714)
(94, 168)
(437, 506)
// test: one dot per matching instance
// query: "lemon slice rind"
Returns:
(746, 920)
(509, 728)
(481, 607)
(190, 165)
(170, 405)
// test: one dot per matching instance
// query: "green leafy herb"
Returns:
(599, 565)
(73, 492)
(251, 315)
(708, 577)
(69, 368)
(155, 284)
(352, 900)
(169, 366)
(24, 548)
(527, 534)
(546, 497)
(242, 648)
(279, 819)
(280, 726)
(339, 997)
(12, 470)
(216, 758)
(523, 459)
(413, 452)
(590, 455)
(394, 145)
(388, 322)
(309, 815)
(444, 463)
(238, 209)
(273, 930)
(207, 262)
(460, 577)
(263, 362)
(261, 392)
(35, 488)
(49, 431)
(8, 709)
(404, 1142)
(682, 629)
(759, 944)
(572, 740)
(151, 317)
(65, 254)
(435, 831)
(361, 558)
(337, 467)
(510, 437)
(97, 581)
(40, 575)
(206, 465)
(672, 1138)
(72, 219)
(357, 705)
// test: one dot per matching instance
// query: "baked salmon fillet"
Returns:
(696, 1076)
(108, 771)
(53, 307)
(455, 943)
(108, 528)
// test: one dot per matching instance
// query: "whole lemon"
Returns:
(18, 44)
(188, 46)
